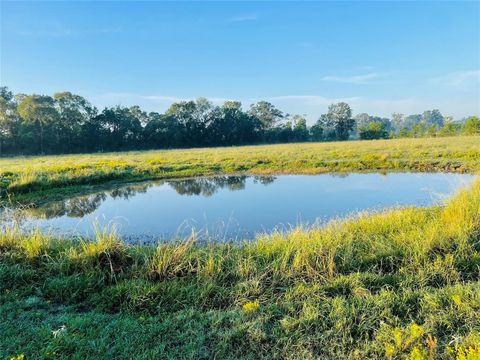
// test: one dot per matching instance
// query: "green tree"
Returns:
(161, 131)
(361, 121)
(373, 130)
(40, 111)
(433, 117)
(300, 130)
(327, 125)
(403, 132)
(398, 121)
(316, 131)
(418, 130)
(8, 119)
(267, 113)
(193, 118)
(284, 132)
(339, 117)
(74, 111)
(411, 120)
(4, 123)
(472, 126)
(449, 127)
(232, 126)
(116, 128)
(432, 130)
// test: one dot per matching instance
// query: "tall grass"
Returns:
(401, 284)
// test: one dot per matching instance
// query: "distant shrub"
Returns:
(373, 130)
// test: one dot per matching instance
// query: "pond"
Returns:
(236, 207)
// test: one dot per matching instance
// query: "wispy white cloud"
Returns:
(354, 79)
(460, 79)
(243, 18)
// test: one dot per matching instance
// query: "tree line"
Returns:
(67, 123)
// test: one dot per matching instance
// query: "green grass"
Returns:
(402, 284)
(25, 178)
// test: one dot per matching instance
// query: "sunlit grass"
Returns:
(28, 174)
(400, 284)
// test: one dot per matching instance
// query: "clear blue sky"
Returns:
(381, 57)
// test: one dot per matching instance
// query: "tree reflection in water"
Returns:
(80, 206)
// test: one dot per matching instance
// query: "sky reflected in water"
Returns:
(237, 207)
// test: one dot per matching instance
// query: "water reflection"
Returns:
(80, 206)
(234, 207)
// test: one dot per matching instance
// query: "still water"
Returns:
(237, 207)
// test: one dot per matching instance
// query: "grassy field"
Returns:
(50, 175)
(402, 284)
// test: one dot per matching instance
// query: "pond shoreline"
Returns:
(39, 197)
(233, 208)
(23, 180)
